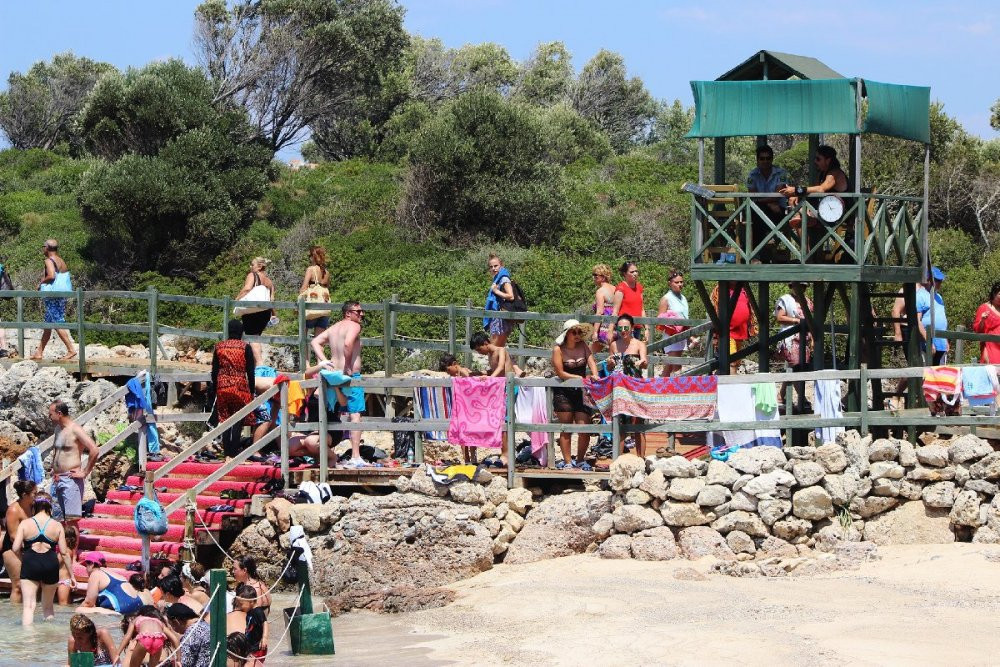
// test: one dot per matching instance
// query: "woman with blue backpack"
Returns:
(56, 278)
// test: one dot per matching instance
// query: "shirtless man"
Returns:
(344, 339)
(500, 365)
(71, 442)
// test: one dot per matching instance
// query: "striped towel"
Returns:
(655, 399)
(942, 380)
(433, 403)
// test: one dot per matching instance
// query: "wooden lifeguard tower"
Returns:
(875, 246)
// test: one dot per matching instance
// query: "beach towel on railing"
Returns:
(826, 404)
(943, 390)
(980, 386)
(735, 404)
(765, 402)
(433, 403)
(655, 399)
(138, 401)
(31, 465)
(531, 407)
(478, 410)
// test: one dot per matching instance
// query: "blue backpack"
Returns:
(150, 519)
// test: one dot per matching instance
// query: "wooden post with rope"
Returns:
(217, 619)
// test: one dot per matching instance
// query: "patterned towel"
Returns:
(433, 403)
(655, 399)
(478, 410)
(944, 382)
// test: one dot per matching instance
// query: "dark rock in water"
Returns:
(397, 599)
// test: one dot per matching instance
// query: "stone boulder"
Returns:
(832, 458)
(403, 539)
(746, 522)
(655, 484)
(987, 468)
(634, 518)
(967, 448)
(808, 473)
(654, 544)
(685, 489)
(813, 503)
(713, 495)
(883, 449)
(14, 379)
(968, 510)
(774, 484)
(757, 460)
(623, 469)
(699, 541)
(910, 523)
(721, 473)
(31, 413)
(934, 456)
(684, 514)
(616, 547)
(773, 510)
(676, 466)
(559, 526)
(469, 493)
(939, 494)
(872, 505)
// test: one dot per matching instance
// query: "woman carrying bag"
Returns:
(256, 287)
(56, 278)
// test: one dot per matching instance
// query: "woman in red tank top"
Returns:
(628, 297)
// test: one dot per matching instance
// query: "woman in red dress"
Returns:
(233, 378)
(988, 322)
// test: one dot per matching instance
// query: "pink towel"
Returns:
(478, 407)
(531, 407)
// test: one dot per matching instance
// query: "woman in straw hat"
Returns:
(571, 358)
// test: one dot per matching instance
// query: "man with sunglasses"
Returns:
(344, 339)
(766, 178)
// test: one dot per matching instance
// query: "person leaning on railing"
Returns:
(832, 179)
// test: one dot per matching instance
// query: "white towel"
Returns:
(736, 404)
(826, 404)
(297, 538)
(769, 437)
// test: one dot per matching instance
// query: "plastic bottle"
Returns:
(410, 454)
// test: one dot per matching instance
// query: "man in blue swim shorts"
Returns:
(344, 340)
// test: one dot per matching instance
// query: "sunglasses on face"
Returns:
(359, 312)
(624, 327)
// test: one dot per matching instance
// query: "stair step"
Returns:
(125, 545)
(250, 472)
(202, 501)
(182, 483)
(126, 528)
(115, 511)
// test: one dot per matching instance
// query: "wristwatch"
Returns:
(800, 190)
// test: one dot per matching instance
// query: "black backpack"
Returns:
(519, 304)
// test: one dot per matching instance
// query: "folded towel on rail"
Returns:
(765, 397)
(433, 403)
(531, 407)
(655, 399)
(980, 382)
(943, 390)
(478, 410)
(735, 404)
(826, 404)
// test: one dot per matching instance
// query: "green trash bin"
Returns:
(310, 634)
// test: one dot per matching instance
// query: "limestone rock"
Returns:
(741, 481)
(562, 525)
(519, 500)
(496, 491)
(774, 484)
(676, 466)
(616, 547)
(757, 460)
(907, 454)
(887, 469)
(712, 495)
(808, 473)
(843, 488)
(316, 518)
(402, 484)
(699, 541)
(910, 523)
(623, 469)
(278, 513)
(934, 456)
(968, 448)
(775, 547)
(800, 453)
(31, 412)
(636, 497)
(773, 510)
(488, 509)
(420, 482)
(910, 490)
(655, 484)
(986, 468)
(514, 521)
(857, 455)
(962, 474)
(931, 474)
(832, 458)
(493, 525)
(744, 502)
(719, 472)
(812, 502)
(685, 489)
(791, 529)
(966, 510)
(981, 486)
(831, 534)
(886, 487)
(872, 505)
(469, 493)
(654, 544)
(746, 522)
(633, 518)
(14, 379)
(684, 514)
(939, 494)
(502, 510)
(986, 535)
(883, 449)
(740, 542)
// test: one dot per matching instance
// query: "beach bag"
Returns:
(258, 293)
(671, 329)
(316, 294)
(150, 519)
(518, 304)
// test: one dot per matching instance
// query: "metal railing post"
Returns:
(863, 398)
(389, 334)
(227, 308)
(81, 334)
(152, 301)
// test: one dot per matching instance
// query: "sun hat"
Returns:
(95, 557)
(937, 273)
(585, 330)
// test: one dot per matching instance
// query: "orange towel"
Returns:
(296, 397)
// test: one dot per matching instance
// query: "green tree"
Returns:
(481, 166)
(37, 109)
(545, 78)
(291, 62)
(438, 74)
(667, 135)
(604, 95)
(186, 179)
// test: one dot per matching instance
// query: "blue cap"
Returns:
(937, 273)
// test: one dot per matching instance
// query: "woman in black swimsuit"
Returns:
(36, 541)
(571, 358)
(16, 513)
(627, 355)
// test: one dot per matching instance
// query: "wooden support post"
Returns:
(520, 344)
(789, 409)
(818, 330)
(724, 319)
(550, 449)
(20, 332)
(81, 334)
(284, 432)
(913, 345)
(467, 353)
(719, 160)
(763, 326)
(863, 398)
(303, 336)
(143, 446)
(510, 430)
(152, 305)
(854, 328)
(217, 618)
(227, 308)
(616, 436)
(452, 349)
(959, 347)
(324, 432)
(390, 360)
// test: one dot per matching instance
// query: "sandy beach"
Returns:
(927, 604)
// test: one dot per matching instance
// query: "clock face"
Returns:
(830, 208)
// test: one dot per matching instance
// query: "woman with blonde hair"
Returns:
(316, 282)
(255, 323)
(604, 304)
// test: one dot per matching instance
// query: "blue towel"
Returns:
(333, 379)
(492, 301)
(31, 465)
(826, 404)
(977, 382)
(136, 398)
(152, 435)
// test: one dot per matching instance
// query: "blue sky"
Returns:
(953, 48)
